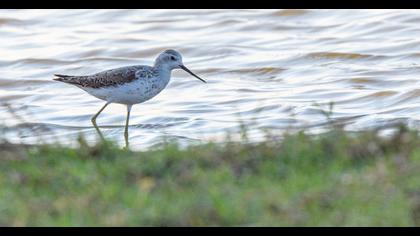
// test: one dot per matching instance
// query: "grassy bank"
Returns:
(334, 179)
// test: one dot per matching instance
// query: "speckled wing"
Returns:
(107, 78)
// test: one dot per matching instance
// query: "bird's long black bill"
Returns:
(191, 73)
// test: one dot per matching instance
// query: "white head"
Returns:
(172, 59)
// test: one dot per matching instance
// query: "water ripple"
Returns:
(269, 69)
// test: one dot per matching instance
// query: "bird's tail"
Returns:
(66, 79)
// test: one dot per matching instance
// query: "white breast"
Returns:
(134, 92)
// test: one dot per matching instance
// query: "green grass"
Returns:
(333, 179)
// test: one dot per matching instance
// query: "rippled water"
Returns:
(271, 69)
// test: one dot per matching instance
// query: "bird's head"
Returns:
(172, 59)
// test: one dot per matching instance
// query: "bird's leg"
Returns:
(98, 131)
(126, 125)
(99, 112)
(94, 121)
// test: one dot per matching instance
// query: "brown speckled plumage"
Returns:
(107, 78)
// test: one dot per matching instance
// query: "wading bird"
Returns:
(131, 84)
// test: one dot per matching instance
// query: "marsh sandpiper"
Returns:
(131, 84)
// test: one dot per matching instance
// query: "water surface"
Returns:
(270, 69)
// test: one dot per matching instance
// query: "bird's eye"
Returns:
(173, 58)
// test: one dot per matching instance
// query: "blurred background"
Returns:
(269, 69)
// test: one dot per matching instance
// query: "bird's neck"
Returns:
(163, 69)
(163, 78)
(162, 66)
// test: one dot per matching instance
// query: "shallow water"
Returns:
(270, 69)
